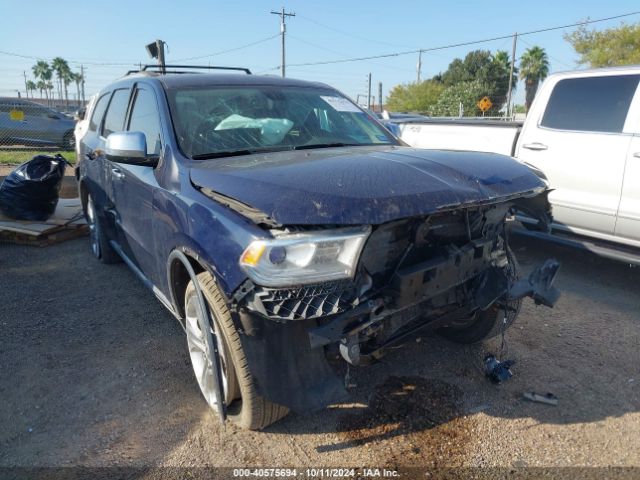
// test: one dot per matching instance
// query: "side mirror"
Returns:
(129, 148)
(54, 116)
(80, 113)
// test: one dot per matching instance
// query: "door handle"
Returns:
(116, 172)
(534, 146)
(637, 154)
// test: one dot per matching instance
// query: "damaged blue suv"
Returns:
(280, 224)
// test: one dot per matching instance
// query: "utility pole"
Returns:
(283, 30)
(82, 85)
(369, 94)
(513, 61)
(419, 66)
(25, 83)
(380, 95)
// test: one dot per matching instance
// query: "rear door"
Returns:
(133, 185)
(91, 165)
(114, 119)
(580, 143)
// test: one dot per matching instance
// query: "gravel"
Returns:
(95, 372)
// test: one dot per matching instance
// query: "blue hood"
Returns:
(364, 185)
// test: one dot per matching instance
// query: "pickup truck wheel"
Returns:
(244, 406)
(486, 324)
(100, 246)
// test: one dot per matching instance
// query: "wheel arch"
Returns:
(178, 275)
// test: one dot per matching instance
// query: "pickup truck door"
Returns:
(628, 224)
(579, 141)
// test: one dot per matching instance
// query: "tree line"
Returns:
(482, 73)
(57, 71)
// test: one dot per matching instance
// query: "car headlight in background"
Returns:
(300, 258)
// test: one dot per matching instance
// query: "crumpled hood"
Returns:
(364, 185)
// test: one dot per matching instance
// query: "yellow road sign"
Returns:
(484, 104)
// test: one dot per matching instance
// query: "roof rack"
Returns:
(169, 68)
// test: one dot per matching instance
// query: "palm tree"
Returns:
(50, 88)
(42, 85)
(77, 77)
(42, 71)
(67, 78)
(31, 87)
(534, 67)
(60, 66)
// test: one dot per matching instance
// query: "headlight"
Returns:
(299, 258)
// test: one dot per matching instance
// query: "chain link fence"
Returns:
(32, 126)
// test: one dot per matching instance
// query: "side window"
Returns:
(593, 104)
(145, 119)
(98, 112)
(114, 119)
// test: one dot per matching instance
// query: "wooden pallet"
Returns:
(67, 222)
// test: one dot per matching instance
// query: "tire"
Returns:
(69, 141)
(100, 246)
(245, 407)
(487, 324)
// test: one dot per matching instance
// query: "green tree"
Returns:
(42, 71)
(61, 68)
(534, 67)
(42, 85)
(414, 97)
(77, 78)
(490, 70)
(607, 48)
(31, 87)
(466, 93)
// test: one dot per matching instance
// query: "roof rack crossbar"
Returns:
(155, 67)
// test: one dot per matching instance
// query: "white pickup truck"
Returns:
(583, 133)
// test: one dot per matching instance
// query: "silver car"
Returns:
(28, 123)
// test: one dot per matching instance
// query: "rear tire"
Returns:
(245, 407)
(487, 324)
(100, 246)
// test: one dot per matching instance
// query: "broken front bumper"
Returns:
(283, 330)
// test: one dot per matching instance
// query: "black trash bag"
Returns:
(31, 191)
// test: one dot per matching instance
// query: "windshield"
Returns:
(216, 121)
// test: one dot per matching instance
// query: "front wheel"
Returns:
(489, 323)
(244, 406)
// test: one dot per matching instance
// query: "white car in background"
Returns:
(83, 116)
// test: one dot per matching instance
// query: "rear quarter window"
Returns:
(592, 104)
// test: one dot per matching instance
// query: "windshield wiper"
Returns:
(235, 153)
(224, 153)
(326, 145)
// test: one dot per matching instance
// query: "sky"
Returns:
(108, 38)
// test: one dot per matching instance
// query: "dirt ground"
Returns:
(95, 372)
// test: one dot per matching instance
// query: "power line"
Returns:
(77, 62)
(229, 50)
(462, 44)
(128, 64)
(352, 35)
